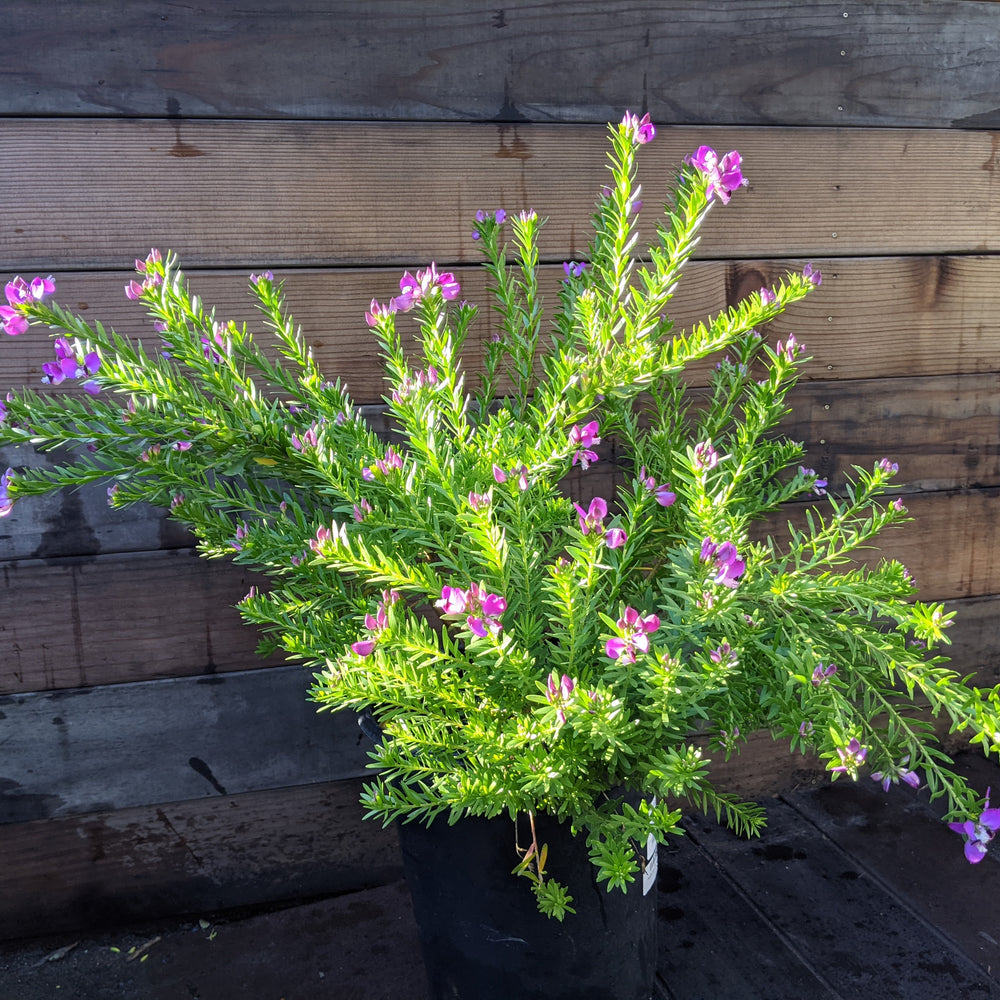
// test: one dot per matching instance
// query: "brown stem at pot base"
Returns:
(533, 853)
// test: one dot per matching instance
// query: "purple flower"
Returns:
(724, 176)
(592, 519)
(480, 501)
(375, 624)
(818, 486)
(68, 365)
(767, 297)
(978, 833)
(559, 691)
(723, 655)
(584, 439)
(573, 270)
(728, 566)
(634, 630)
(6, 502)
(851, 758)
(896, 774)
(664, 496)
(790, 349)
(640, 130)
(376, 311)
(886, 466)
(414, 288)
(816, 277)
(822, 673)
(705, 457)
(14, 324)
(483, 609)
(615, 538)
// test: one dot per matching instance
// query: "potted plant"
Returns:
(558, 663)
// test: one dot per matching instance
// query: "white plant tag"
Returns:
(652, 862)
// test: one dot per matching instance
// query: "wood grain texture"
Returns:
(73, 622)
(758, 62)
(63, 627)
(901, 840)
(944, 433)
(109, 868)
(810, 892)
(950, 548)
(251, 194)
(873, 317)
(122, 745)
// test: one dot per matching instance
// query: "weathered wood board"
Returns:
(808, 893)
(886, 317)
(75, 622)
(122, 745)
(944, 433)
(62, 624)
(833, 64)
(248, 194)
(205, 854)
(892, 836)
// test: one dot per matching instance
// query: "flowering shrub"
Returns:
(524, 650)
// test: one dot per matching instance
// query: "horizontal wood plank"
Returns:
(950, 546)
(784, 62)
(122, 745)
(944, 433)
(63, 624)
(80, 193)
(699, 910)
(810, 891)
(148, 862)
(70, 623)
(871, 318)
(899, 840)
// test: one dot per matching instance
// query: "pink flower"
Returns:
(559, 691)
(634, 631)
(822, 673)
(640, 130)
(978, 833)
(724, 176)
(483, 609)
(584, 439)
(414, 288)
(377, 311)
(615, 538)
(728, 565)
(705, 457)
(592, 519)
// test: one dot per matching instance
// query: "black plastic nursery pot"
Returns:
(481, 931)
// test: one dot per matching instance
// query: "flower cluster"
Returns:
(725, 560)
(481, 610)
(375, 624)
(68, 364)
(20, 293)
(978, 832)
(634, 630)
(724, 176)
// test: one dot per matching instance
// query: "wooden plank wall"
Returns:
(149, 762)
